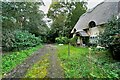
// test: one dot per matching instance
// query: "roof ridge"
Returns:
(90, 10)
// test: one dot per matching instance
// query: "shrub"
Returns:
(62, 40)
(18, 40)
(8, 40)
(73, 41)
(108, 39)
(24, 39)
(115, 47)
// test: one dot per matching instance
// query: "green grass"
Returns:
(11, 60)
(63, 51)
(71, 64)
(83, 63)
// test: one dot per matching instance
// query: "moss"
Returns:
(39, 69)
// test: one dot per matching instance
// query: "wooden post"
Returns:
(69, 49)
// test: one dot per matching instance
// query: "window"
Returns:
(92, 24)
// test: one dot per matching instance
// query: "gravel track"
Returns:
(54, 69)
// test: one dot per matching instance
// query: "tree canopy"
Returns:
(22, 25)
(23, 15)
(64, 16)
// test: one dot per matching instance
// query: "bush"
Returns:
(115, 47)
(7, 39)
(24, 39)
(110, 37)
(62, 40)
(73, 41)
(18, 40)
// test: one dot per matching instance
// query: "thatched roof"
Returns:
(99, 14)
(82, 33)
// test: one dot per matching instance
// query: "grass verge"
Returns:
(83, 63)
(11, 60)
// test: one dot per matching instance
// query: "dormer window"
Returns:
(92, 24)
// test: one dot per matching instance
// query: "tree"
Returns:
(25, 20)
(23, 15)
(110, 38)
(64, 16)
(74, 16)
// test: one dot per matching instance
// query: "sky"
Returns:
(46, 7)
(91, 4)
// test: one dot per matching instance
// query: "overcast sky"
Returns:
(91, 4)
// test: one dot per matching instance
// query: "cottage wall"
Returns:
(94, 31)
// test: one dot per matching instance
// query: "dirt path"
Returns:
(54, 70)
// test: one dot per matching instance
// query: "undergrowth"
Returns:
(11, 60)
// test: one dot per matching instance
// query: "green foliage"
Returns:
(62, 40)
(103, 60)
(83, 63)
(64, 16)
(110, 38)
(74, 15)
(8, 40)
(24, 39)
(11, 60)
(22, 16)
(73, 41)
(19, 40)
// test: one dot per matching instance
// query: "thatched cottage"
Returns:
(90, 24)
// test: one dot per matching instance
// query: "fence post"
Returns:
(69, 49)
